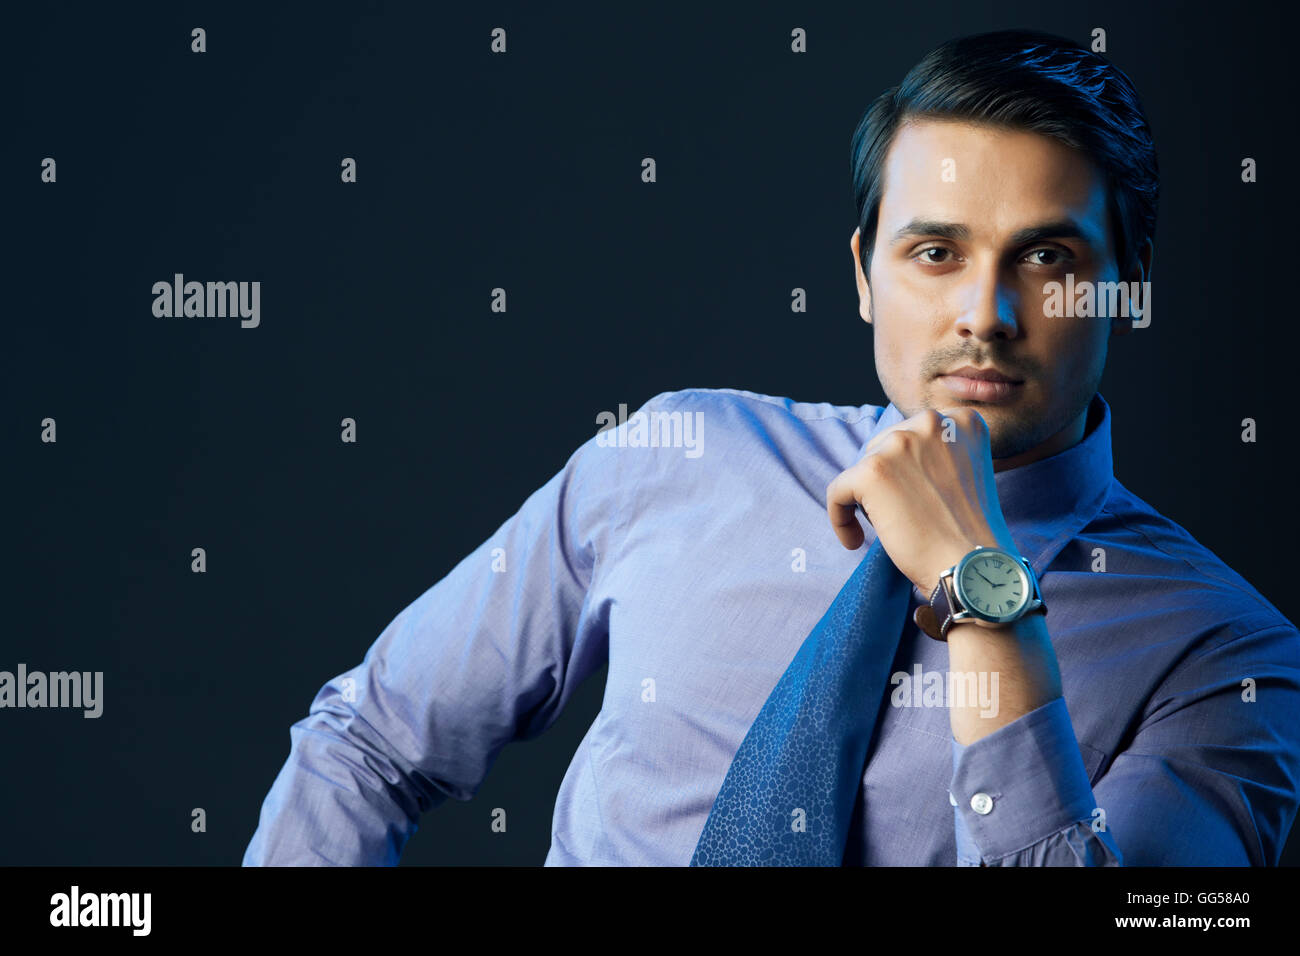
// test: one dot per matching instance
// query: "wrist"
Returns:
(952, 556)
(988, 589)
(1027, 627)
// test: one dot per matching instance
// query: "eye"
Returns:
(924, 255)
(1057, 256)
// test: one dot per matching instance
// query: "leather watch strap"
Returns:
(941, 614)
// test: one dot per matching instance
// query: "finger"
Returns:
(968, 419)
(880, 436)
(841, 507)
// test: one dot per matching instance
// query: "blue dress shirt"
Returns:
(696, 560)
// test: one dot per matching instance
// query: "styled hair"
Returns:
(1022, 80)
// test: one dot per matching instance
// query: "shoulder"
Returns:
(741, 410)
(1202, 581)
(694, 441)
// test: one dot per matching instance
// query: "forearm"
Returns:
(1027, 676)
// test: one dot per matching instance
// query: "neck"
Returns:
(1067, 437)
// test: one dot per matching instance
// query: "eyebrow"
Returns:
(1059, 229)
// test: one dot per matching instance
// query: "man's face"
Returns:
(958, 280)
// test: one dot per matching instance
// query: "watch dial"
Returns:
(992, 585)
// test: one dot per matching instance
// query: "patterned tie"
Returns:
(807, 748)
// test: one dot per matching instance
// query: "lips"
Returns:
(980, 384)
(983, 375)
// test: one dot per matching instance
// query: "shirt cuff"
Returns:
(1018, 786)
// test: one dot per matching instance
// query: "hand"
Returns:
(930, 501)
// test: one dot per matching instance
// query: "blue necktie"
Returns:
(788, 797)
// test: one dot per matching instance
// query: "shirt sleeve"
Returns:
(487, 655)
(1208, 779)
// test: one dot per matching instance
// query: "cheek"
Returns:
(889, 340)
(1071, 350)
(885, 343)
(1084, 340)
(899, 314)
(911, 316)
(911, 322)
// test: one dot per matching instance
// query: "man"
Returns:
(1150, 718)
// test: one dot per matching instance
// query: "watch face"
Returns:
(992, 584)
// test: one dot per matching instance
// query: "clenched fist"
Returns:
(926, 485)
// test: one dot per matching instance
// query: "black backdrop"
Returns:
(476, 171)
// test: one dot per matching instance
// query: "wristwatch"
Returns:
(989, 587)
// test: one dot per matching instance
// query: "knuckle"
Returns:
(962, 417)
(899, 441)
(874, 465)
(841, 489)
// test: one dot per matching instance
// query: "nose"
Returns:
(989, 306)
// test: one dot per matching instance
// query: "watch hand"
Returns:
(986, 579)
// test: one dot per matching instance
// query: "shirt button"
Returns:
(952, 799)
(981, 803)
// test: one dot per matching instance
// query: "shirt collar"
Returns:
(1049, 501)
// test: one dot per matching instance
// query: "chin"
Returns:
(1017, 434)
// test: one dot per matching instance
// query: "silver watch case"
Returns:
(950, 580)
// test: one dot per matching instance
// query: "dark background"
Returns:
(475, 171)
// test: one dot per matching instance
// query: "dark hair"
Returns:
(1025, 80)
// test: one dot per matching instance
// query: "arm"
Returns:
(1210, 777)
(489, 654)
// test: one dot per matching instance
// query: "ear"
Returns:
(864, 291)
(1141, 273)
